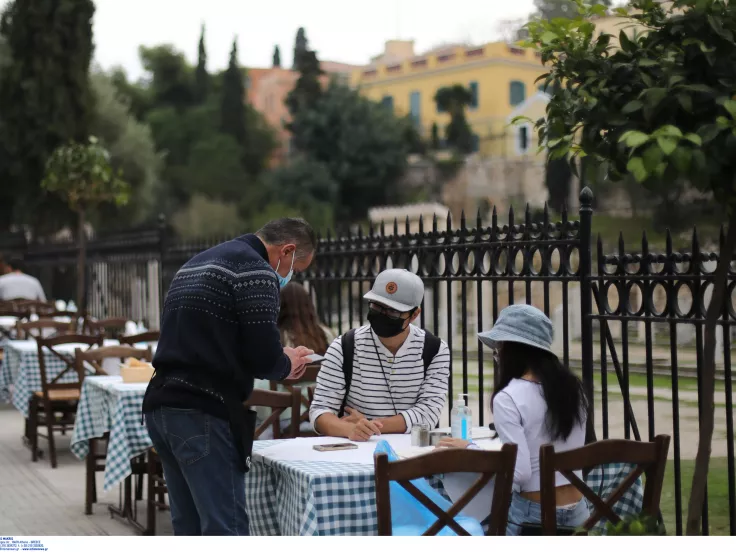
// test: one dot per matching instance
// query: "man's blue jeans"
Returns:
(206, 487)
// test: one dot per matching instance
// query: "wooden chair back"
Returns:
(112, 328)
(308, 379)
(37, 329)
(50, 344)
(278, 402)
(145, 337)
(97, 357)
(37, 307)
(17, 316)
(486, 463)
(649, 458)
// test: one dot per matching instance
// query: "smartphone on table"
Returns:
(335, 446)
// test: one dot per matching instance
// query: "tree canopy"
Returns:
(45, 100)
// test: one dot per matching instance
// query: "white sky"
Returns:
(349, 31)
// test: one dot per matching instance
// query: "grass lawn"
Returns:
(717, 495)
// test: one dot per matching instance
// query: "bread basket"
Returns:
(135, 371)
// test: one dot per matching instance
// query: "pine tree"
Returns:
(232, 109)
(201, 77)
(276, 57)
(308, 89)
(45, 98)
(301, 47)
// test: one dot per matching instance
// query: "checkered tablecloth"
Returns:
(20, 375)
(311, 498)
(108, 405)
(605, 479)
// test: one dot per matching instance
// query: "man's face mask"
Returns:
(283, 280)
(386, 322)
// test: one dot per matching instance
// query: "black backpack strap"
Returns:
(348, 349)
(431, 348)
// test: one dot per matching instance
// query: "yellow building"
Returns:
(500, 76)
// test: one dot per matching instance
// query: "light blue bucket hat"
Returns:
(522, 324)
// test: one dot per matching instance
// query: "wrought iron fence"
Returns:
(625, 317)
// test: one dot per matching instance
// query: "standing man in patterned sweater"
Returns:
(218, 333)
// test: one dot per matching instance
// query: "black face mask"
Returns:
(385, 326)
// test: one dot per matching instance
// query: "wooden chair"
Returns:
(42, 328)
(36, 307)
(18, 316)
(308, 379)
(55, 397)
(95, 460)
(145, 337)
(649, 458)
(278, 402)
(112, 328)
(156, 492)
(487, 463)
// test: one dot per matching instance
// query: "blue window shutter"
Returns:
(415, 108)
(517, 92)
(388, 102)
(474, 93)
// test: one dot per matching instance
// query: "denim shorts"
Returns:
(525, 511)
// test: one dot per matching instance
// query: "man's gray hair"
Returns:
(290, 230)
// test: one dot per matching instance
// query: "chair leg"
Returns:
(33, 427)
(50, 429)
(139, 487)
(89, 488)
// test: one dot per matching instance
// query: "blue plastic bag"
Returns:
(409, 517)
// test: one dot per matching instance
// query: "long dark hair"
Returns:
(298, 317)
(563, 391)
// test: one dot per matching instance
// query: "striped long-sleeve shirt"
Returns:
(386, 387)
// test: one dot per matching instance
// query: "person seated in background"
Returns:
(398, 374)
(299, 324)
(538, 401)
(16, 284)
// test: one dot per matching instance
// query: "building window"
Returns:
(388, 102)
(517, 51)
(419, 64)
(523, 139)
(369, 73)
(542, 88)
(477, 52)
(517, 92)
(475, 143)
(415, 108)
(393, 69)
(474, 95)
(446, 57)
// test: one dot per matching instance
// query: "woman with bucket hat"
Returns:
(538, 401)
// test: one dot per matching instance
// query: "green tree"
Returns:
(172, 82)
(201, 76)
(233, 111)
(301, 46)
(308, 89)
(435, 137)
(276, 57)
(660, 108)
(138, 97)
(306, 188)
(45, 100)
(132, 151)
(361, 144)
(81, 174)
(454, 100)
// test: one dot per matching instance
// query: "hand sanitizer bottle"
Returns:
(462, 419)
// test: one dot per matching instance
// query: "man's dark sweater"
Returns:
(219, 331)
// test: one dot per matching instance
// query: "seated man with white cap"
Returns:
(386, 376)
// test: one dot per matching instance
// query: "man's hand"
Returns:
(364, 429)
(353, 416)
(298, 361)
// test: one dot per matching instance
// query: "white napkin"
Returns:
(131, 328)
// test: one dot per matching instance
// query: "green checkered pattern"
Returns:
(311, 498)
(21, 371)
(604, 480)
(108, 405)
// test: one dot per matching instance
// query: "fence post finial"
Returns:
(586, 199)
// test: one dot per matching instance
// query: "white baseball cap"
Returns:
(397, 289)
